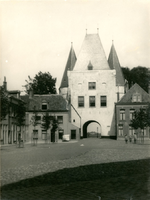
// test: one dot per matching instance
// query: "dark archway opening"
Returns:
(85, 126)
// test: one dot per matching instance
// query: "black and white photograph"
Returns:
(74, 99)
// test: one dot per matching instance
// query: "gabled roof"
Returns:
(91, 50)
(127, 98)
(69, 66)
(114, 64)
(54, 102)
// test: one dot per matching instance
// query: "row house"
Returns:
(54, 105)
(133, 100)
(9, 129)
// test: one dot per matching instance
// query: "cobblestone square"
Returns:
(88, 169)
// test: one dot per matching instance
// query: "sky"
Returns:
(36, 35)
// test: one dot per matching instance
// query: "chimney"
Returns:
(31, 94)
(117, 93)
(5, 84)
(18, 95)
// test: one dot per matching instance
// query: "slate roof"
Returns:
(55, 102)
(127, 98)
(93, 51)
(114, 64)
(69, 66)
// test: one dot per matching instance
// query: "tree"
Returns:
(20, 114)
(46, 123)
(140, 120)
(34, 122)
(4, 103)
(139, 75)
(43, 83)
(54, 127)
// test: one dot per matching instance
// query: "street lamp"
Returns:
(97, 132)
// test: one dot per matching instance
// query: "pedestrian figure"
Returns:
(19, 139)
(126, 138)
(135, 138)
(130, 138)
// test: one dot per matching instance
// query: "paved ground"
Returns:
(88, 169)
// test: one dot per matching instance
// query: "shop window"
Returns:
(120, 130)
(92, 101)
(103, 101)
(81, 101)
(131, 131)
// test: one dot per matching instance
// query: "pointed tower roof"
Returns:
(69, 66)
(92, 50)
(114, 64)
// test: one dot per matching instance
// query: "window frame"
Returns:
(91, 101)
(60, 121)
(92, 85)
(122, 114)
(44, 104)
(80, 103)
(102, 102)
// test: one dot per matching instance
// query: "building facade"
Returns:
(54, 105)
(95, 84)
(9, 126)
(133, 100)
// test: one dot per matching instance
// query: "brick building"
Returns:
(134, 99)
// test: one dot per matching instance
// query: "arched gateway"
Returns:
(85, 126)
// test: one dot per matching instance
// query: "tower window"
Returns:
(103, 101)
(92, 85)
(92, 101)
(81, 101)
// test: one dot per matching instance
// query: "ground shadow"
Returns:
(85, 173)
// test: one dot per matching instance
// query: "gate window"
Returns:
(92, 101)
(103, 101)
(81, 101)
(73, 134)
(92, 85)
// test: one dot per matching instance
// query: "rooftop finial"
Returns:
(86, 31)
(97, 30)
(71, 44)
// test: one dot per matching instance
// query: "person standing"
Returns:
(126, 138)
(135, 138)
